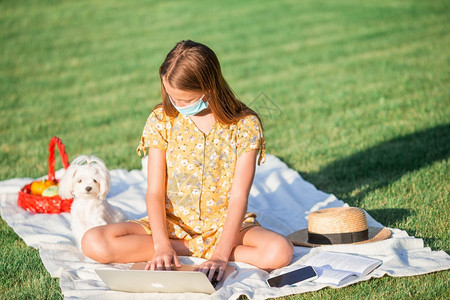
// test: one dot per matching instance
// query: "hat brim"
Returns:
(300, 238)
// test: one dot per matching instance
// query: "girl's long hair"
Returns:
(192, 66)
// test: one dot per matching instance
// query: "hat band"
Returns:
(338, 238)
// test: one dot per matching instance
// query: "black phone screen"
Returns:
(292, 277)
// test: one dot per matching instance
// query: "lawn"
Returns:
(354, 95)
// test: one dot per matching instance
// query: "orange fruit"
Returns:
(37, 187)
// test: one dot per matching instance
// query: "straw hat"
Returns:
(338, 225)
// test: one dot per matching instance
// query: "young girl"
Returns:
(202, 147)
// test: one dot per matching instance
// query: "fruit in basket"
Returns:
(37, 187)
(50, 191)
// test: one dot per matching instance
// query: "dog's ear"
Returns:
(103, 177)
(65, 190)
(104, 184)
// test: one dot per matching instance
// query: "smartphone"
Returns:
(290, 278)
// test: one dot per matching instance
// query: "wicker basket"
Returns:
(41, 204)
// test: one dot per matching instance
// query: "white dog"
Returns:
(87, 182)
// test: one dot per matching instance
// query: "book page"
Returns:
(336, 277)
(347, 262)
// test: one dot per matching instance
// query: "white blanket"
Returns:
(280, 197)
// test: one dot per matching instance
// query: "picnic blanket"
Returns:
(280, 197)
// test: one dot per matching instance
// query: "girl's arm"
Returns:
(155, 199)
(237, 207)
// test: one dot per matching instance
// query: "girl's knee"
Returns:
(279, 253)
(94, 245)
(273, 250)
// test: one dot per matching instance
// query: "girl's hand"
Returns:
(162, 259)
(212, 266)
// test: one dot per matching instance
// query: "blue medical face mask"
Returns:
(193, 109)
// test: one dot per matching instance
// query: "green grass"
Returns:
(354, 95)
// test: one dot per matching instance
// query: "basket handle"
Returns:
(51, 157)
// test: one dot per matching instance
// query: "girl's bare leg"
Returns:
(262, 248)
(123, 243)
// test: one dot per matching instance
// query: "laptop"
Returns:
(177, 280)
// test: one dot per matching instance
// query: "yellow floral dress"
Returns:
(200, 170)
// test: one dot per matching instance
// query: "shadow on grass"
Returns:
(352, 178)
(390, 216)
